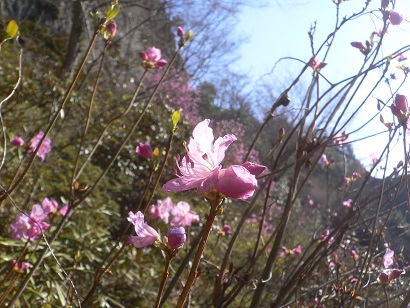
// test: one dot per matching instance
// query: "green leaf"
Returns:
(175, 118)
(11, 30)
(112, 12)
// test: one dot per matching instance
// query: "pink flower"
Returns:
(315, 64)
(348, 203)
(236, 182)
(20, 266)
(354, 254)
(45, 147)
(180, 32)
(152, 58)
(17, 141)
(146, 235)
(385, 278)
(200, 167)
(341, 140)
(162, 210)
(400, 57)
(144, 150)
(176, 237)
(49, 206)
(395, 18)
(183, 216)
(323, 160)
(358, 45)
(64, 210)
(297, 250)
(388, 258)
(29, 227)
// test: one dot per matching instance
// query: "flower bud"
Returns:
(17, 141)
(395, 18)
(110, 30)
(384, 4)
(226, 229)
(180, 32)
(281, 132)
(144, 150)
(176, 237)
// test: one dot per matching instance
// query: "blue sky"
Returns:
(277, 31)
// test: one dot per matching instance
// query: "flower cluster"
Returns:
(29, 227)
(44, 149)
(146, 235)
(181, 212)
(201, 168)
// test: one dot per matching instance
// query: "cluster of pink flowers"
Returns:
(181, 212)
(201, 168)
(29, 227)
(146, 235)
(388, 260)
(44, 149)
(152, 58)
(20, 266)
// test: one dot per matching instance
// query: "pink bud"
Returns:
(160, 63)
(143, 56)
(144, 150)
(111, 29)
(153, 212)
(385, 4)
(176, 237)
(281, 132)
(226, 228)
(395, 18)
(358, 45)
(236, 182)
(17, 141)
(180, 32)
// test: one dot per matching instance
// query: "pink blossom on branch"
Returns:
(200, 166)
(152, 58)
(400, 109)
(388, 258)
(200, 169)
(45, 147)
(161, 210)
(146, 235)
(183, 216)
(315, 64)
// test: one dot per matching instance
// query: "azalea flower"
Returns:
(152, 58)
(388, 258)
(161, 210)
(183, 216)
(49, 206)
(45, 147)
(146, 235)
(200, 167)
(29, 227)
